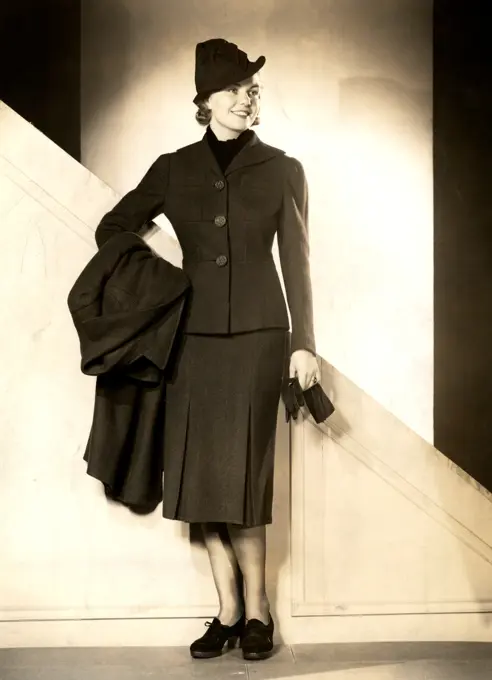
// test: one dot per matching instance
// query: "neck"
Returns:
(222, 133)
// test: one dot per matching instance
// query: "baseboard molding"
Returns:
(298, 630)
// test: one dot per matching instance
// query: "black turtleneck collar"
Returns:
(225, 151)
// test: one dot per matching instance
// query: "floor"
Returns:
(381, 661)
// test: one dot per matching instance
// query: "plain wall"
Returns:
(348, 90)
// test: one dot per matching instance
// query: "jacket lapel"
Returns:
(253, 153)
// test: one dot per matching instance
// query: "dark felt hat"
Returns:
(219, 63)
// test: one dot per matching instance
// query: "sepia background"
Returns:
(382, 515)
(348, 90)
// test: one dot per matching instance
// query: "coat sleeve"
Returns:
(293, 243)
(138, 206)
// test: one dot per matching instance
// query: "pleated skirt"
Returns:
(220, 427)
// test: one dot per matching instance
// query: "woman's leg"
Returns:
(226, 572)
(250, 548)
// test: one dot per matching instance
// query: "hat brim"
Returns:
(253, 68)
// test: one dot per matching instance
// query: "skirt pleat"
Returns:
(220, 427)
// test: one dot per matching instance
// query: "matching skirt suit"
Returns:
(227, 201)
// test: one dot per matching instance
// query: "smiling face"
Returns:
(235, 108)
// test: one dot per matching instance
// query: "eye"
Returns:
(232, 89)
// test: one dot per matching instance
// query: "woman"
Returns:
(227, 196)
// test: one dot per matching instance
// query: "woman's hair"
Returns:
(204, 115)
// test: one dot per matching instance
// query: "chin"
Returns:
(236, 123)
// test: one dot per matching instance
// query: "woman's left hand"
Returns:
(304, 365)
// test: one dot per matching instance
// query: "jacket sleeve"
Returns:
(293, 243)
(138, 206)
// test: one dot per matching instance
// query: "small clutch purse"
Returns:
(318, 404)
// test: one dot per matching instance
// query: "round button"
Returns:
(219, 184)
(221, 261)
(220, 220)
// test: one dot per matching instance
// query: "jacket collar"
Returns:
(252, 153)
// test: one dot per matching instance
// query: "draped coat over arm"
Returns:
(127, 307)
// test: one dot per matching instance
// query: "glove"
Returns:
(319, 405)
(293, 398)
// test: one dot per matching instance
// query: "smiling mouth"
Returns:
(242, 114)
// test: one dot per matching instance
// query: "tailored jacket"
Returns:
(226, 224)
(127, 306)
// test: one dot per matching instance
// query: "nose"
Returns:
(246, 99)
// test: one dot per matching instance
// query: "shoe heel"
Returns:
(233, 642)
